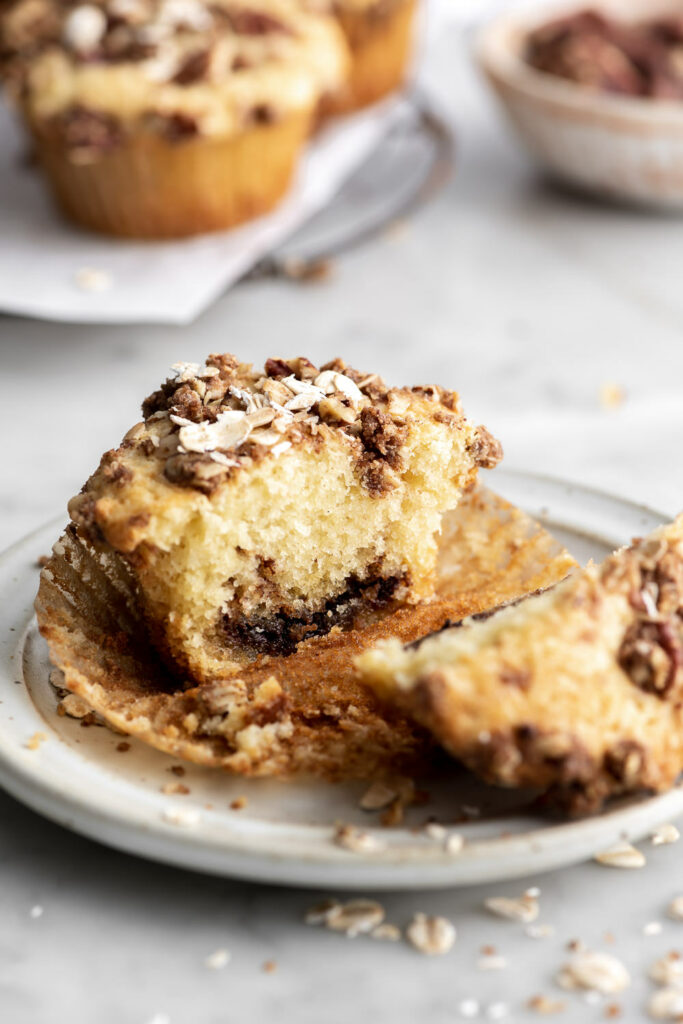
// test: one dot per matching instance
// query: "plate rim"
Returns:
(418, 867)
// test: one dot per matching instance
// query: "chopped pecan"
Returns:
(193, 69)
(636, 59)
(247, 22)
(187, 403)
(262, 113)
(651, 656)
(277, 368)
(382, 436)
(179, 127)
(198, 471)
(87, 134)
(485, 449)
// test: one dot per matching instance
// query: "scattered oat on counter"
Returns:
(469, 1008)
(540, 931)
(497, 1011)
(239, 803)
(666, 1004)
(544, 1005)
(621, 855)
(433, 936)
(356, 840)
(596, 971)
(92, 279)
(524, 909)
(177, 769)
(665, 834)
(123, 747)
(668, 970)
(175, 789)
(652, 928)
(306, 271)
(217, 960)
(613, 1011)
(675, 908)
(183, 817)
(611, 395)
(386, 932)
(269, 966)
(319, 912)
(491, 962)
(355, 917)
(34, 741)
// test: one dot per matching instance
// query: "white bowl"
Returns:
(626, 148)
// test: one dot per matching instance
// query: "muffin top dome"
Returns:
(183, 66)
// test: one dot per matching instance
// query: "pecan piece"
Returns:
(87, 134)
(193, 69)
(246, 22)
(651, 656)
(382, 436)
(486, 450)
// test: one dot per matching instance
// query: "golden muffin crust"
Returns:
(578, 691)
(257, 508)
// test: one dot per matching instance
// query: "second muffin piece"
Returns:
(162, 118)
(576, 691)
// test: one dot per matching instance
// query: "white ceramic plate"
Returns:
(77, 777)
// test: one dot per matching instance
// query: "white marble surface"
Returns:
(528, 301)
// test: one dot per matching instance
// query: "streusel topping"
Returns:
(207, 421)
(183, 67)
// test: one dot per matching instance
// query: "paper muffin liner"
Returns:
(307, 712)
(380, 43)
(150, 187)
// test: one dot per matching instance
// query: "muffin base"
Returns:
(148, 187)
(380, 43)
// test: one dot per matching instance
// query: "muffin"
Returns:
(575, 692)
(167, 118)
(305, 712)
(380, 35)
(258, 508)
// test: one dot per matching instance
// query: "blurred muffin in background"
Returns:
(380, 37)
(167, 118)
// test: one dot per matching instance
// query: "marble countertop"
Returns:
(528, 300)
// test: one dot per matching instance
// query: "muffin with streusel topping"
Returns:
(166, 118)
(259, 508)
(253, 533)
(380, 35)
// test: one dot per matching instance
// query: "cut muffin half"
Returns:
(255, 509)
(576, 691)
(306, 712)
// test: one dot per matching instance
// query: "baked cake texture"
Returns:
(257, 508)
(279, 715)
(577, 691)
(161, 118)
